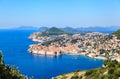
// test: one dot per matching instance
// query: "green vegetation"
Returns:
(64, 76)
(47, 43)
(74, 41)
(110, 70)
(43, 78)
(54, 31)
(75, 77)
(106, 38)
(7, 72)
(117, 33)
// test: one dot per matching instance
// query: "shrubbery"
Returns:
(111, 71)
(117, 33)
(7, 72)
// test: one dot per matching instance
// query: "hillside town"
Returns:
(93, 44)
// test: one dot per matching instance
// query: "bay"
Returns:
(14, 45)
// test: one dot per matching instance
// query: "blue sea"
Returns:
(14, 45)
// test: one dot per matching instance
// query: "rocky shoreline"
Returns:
(54, 51)
(60, 52)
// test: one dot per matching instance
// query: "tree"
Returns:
(117, 33)
(8, 72)
(1, 58)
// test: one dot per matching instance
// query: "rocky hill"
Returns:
(53, 31)
(110, 70)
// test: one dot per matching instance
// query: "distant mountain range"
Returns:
(26, 28)
(71, 30)
(108, 29)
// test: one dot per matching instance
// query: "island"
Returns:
(55, 42)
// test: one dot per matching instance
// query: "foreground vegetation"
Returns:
(7, 72)
(110, 70)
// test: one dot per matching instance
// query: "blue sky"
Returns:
(60, 13)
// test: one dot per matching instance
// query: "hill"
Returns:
(71, 30)
(54, 31)
(41, 29)
(111, 70)
(117, 33)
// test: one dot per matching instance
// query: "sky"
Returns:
(59, 13)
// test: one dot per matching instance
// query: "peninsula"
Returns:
(55, 42)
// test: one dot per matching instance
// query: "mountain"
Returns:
(109, 29)
(41, 29)
(71, 30)
(26, 28)
(105, 29)
(54, 31)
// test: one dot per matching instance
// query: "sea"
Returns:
(14, 45)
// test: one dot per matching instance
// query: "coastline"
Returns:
(94, 44)
(77, 54)
(98, 57)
